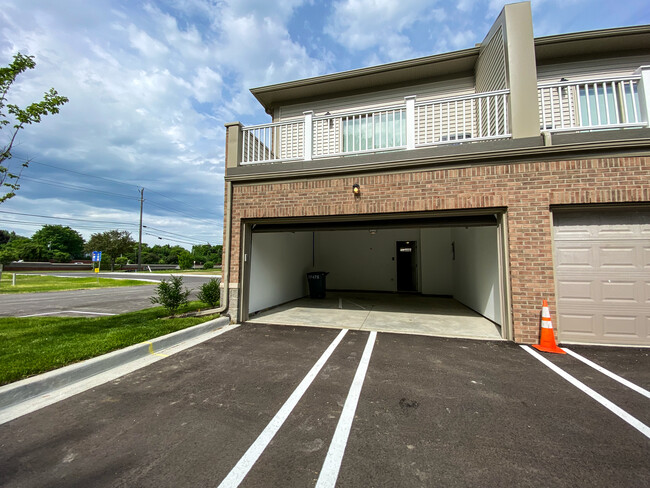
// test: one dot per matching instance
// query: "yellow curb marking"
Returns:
(153, 353)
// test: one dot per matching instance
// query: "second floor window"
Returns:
(372, 131)
(608, 103)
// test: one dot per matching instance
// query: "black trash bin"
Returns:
(316, 280)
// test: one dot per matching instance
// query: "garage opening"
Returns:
(436, 276)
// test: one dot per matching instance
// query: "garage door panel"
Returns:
(618, 257)
(578, 324)
(574, 257)
(620, 291)
(576, 290)
(621, 326)
(602, 271)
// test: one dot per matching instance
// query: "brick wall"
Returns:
(525, 189)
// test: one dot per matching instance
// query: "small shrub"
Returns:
(121, 261)
(209, 292)
(208, 265)
(170, 294)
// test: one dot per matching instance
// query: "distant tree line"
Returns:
(61, 244)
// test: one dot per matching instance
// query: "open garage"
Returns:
(436, 275)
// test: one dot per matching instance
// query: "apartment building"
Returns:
(499, 175)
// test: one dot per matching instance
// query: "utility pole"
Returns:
(140, 240)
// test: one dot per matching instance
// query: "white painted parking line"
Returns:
(330, 470)
(633, 421)
(606, 372)
(64, 311)
(244, 465)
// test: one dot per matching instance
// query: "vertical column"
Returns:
(521, 70)
(644, 93)
(410, 121)
(234, 140)
(307, 136)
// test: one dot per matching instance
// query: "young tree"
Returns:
(112, 243)
(15, 118)
(60, 238)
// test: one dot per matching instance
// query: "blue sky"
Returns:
(151, 85)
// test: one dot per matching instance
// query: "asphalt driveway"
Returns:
(100, 301)
(260, 406)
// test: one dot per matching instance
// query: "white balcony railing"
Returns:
(477, 117)
(470, 118)
(590, 105)
(283, 141)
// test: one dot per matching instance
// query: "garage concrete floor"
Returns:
(384, 312)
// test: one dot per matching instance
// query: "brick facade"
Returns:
(525, 189)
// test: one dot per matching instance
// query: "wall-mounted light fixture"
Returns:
(356, 189)
(331, 121)
(372, 232)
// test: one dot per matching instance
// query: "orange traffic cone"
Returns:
(547, 339)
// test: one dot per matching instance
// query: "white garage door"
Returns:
(602, 271)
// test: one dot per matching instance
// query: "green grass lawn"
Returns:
(34, 345)
(36, 283)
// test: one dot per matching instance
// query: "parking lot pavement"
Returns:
(431, 411)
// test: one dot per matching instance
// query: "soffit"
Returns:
(548, 49)
(375, 78)
(624, 40)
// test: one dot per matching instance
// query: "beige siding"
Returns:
(591, 69)
(386, 98)
(491, 65)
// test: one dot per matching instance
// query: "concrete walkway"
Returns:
(384, 312)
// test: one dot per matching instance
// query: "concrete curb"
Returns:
(23, 390)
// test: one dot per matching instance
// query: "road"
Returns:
(104, 301)
(251, 406)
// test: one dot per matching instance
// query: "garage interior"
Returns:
(430, 276)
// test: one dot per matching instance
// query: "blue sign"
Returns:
(97, 256)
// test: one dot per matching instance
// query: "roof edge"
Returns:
(370, 70)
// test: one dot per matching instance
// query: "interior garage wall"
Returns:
(436, 259)
(476, 270)
(359, 260)
(279, 263)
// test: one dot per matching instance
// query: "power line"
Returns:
(69, 218)
(98, 225)
(101, 178)
(75, 172)
(167, 232)
(74, 187)
(173, 239)
(172, 199)
(186, 215)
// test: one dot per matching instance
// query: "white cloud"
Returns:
(380, 25)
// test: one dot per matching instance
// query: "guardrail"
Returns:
(470, 118)
(590, 105)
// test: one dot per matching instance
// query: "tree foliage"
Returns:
(13, 118)
(62, 239)
(112, 243)
(185, 260)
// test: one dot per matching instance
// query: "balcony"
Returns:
(410, 125)
(608, 103)
(578, 106)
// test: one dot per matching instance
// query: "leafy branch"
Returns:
(14, 118)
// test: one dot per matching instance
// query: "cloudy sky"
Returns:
(151, 85)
